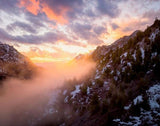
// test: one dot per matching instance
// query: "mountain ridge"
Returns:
(121, 90)
(14, 64)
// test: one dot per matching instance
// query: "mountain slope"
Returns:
(14, 64)
(121, 90)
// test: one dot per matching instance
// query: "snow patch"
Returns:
(77, 90)
(154, 95)
(150, 117)
(105, 83)
(112, 72)
(125, 54)
(115, 78)
(153, 35)
(134, 55)
(118, 73)
(143, 52)
(88, 90)
(108, 65)
(127, 107)
(66, 99)
(65, 92)
(93, 82)
(153, 55)
(135, 119)
(97, 76)
(138, 99)
(123, 69)
(129, 64)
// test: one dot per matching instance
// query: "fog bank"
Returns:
(21, 101)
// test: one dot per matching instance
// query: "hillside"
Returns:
(14, 64)
(123, 90)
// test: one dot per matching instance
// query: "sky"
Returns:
(58, 30)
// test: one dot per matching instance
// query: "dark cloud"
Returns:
(12, 7)
(90, 13)
(82, 27)
(23, 26)
(4, 36)
(59, 5)
(99, 30)
(65, 8)
(49, 37)
(9, 6)
(86, 32)
(71, 9)
(52, 37)
(108, 7)
(114, 26)
(37, 21)
(82, 30)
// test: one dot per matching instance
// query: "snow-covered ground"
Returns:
(154, 96)
(147, 117)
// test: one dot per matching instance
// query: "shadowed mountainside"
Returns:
(14, 64)
(123, 89)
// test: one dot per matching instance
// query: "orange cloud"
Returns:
(31, 5)
(35, 7)
(54, 16)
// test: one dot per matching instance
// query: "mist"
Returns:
(22, 102)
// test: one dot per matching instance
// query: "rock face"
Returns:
(13, 63)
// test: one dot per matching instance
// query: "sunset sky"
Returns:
(58, 30)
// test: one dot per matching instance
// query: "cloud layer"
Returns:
(82, 23)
